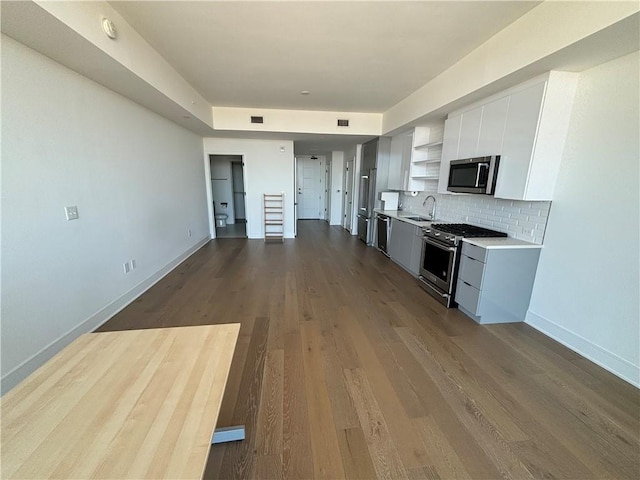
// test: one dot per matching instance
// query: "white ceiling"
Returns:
(360, 56)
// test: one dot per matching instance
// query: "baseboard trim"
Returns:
(606, 359)
(30, 365)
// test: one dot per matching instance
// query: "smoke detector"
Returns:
(109, 28)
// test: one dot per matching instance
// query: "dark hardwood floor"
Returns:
(346, 368)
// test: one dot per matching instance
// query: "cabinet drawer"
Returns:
(474, 252)
(471, 271)
(467, 297)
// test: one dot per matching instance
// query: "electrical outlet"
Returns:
(133, 264)
(127, 267)
(71, 212)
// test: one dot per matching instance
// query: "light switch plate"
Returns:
(71, 212)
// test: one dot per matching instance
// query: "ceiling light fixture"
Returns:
(304, 92)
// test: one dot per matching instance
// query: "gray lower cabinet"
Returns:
(494, 285)
(405, 246)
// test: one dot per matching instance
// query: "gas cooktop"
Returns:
(466, 230)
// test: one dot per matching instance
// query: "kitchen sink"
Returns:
(417, 218)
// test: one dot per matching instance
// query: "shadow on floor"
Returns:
(236, 230)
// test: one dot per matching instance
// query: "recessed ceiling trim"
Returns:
(297, 121)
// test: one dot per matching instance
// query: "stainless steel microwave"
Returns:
(474, 175)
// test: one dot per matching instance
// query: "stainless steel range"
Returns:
(441, 247)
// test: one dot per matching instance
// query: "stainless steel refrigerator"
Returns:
(366, 204)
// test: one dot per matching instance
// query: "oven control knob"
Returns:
(426, 230)
(437, 234)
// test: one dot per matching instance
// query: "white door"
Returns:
(310, 188)
(348, 195)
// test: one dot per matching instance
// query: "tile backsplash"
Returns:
(523, 220)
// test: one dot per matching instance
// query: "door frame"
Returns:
(209, 189)
(355, 190)
(323, 194)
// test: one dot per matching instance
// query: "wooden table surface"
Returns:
(127, 404)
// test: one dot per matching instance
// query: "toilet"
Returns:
(221, 219)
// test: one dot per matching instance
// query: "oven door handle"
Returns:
(443, 295)
(438, 245)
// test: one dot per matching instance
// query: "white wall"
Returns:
(586, 293)
(336, 198)
(138, 182)
(300, 121)
(267, 169)
(130, 50)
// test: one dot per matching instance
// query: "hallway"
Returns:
(345, 368)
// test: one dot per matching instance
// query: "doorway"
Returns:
(228, 194)
(310, 180)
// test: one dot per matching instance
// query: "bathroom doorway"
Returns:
(228, 193)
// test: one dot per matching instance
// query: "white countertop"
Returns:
(490, 243)
(502, 242)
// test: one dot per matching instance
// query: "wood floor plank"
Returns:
(355, 454)
(423, 473)
(613, 397)
(324, 441)
(477, 424)
(469, 376)
(297, 457)
(238, 460)
(269, 467)
(385, 457)
(269, 425)
(344, 413)
(454, 396)
(237, 366)
(476, 462)
(446, 462)
(551, 443)
(409, 444)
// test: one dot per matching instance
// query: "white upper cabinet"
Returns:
(536, 129)
(526, 125)
(395, 163)
(519, 141)
(494, 118)
(399, 161)
(449, 149)
(469, 133)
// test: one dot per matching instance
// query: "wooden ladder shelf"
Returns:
(274, 217)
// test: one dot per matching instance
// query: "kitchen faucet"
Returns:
(433, 209)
